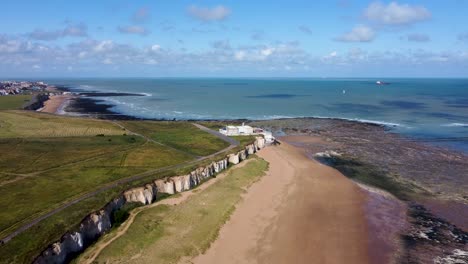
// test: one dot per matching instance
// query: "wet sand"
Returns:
(54, 103)
(300, 212)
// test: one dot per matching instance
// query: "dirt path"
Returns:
(300, 212)
(90, 255)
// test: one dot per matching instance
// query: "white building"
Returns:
(237, 130)
(244, 130)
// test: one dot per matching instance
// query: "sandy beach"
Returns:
(300, 212)
(54, 103)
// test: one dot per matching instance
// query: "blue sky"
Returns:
(342, 38)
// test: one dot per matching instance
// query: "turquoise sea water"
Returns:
(431, 109)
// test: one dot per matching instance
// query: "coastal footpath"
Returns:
(96, 224)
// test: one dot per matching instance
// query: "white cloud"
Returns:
(330, 56)
(9, 46)
(267, 52)
(107, 61)
(79, 30)
(36, 67)
(138, 30)
(240, 55)
(155, 47)
(209, 14)
(359, 33)
(150, 61)
(104, 45)
(396, 14)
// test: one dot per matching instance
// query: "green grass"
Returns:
(26, 124)
(245, 140)
(47, 160)
(29, 244)
(29, 195)
(180, 135)
(12, 102)
(164, 234)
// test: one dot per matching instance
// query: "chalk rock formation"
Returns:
(143, 195)
(242, 155)
(233, 159)
(250, 149)
(259, 143)
(165, 186)
(72, 243)
(96, 224)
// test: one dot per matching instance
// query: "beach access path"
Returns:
(300, 212)
(233, 143)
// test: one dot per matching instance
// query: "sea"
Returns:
(430, 110)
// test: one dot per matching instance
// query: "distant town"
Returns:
(23, 87)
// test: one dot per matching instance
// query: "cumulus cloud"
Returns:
(359, 33)
(137, 30)
(155, 47)
(207, 14)
(19, 54)
(305, 29)
(141, 15)
(240, 55)
(79, 30)
(417, 37)
(396, 14)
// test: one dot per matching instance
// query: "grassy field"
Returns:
(47, 160)
(180, 135)
(164, 234)
(29, 124)
(12, 102)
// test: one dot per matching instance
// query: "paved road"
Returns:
(233, 143)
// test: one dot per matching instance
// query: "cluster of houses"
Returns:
(16, 87)
(244, 130)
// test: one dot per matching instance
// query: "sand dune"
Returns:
(300, 212)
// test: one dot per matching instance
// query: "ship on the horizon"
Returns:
(381, 83)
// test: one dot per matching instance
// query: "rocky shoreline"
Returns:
(98, 223)
(417, 175)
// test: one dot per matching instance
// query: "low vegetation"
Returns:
(167, 233)
(180, 135)
(25, 124)
(13, 102)
(47, 161)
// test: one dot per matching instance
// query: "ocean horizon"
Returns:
(432, 110)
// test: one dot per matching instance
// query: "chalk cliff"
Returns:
(96, 224)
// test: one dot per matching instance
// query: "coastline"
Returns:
(300, 211)
(426, 167)
(56, 104)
